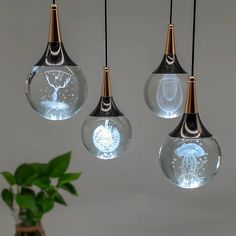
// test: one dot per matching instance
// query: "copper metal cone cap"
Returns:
(106, 106)
(191, 125)
(170, 42)
(55, 53)
(191, 105)
(54, 28)
(170, 63)
(106, 84)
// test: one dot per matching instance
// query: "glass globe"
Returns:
(106, 137)
(190, 163)
(56, 92)
(165, 94)
(56, 88)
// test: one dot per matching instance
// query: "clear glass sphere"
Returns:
(190, 163)
(165, 94)
(106, 137)
(56, 93)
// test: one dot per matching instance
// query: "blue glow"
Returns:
(169, 96)
(190, 149)
(192, 160)
(106, 138)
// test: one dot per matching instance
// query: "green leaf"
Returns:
(27, 191)
(42, 182)
(69, 188)
(40, 168)
(25, 174)
(32, 218)
(56, 197)
(10, 178)
(67, 178)
(59, 199)
(46, 204)
(59, 165)
(8, 197)
(26, 201)
(40, 196)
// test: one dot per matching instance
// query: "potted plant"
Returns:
(33, 191)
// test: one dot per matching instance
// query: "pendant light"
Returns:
(191, 156)
(106, 133)
(56, 88)
(165, 90)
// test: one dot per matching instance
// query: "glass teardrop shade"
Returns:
(56, 88)
(106, 133)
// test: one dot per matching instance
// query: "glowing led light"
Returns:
(193, 158)
(106, 138)
(169, 95)
(58, 106)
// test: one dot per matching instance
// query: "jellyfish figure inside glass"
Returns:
(56, 88)
(190, 163)
(165, 94)
(165, 90)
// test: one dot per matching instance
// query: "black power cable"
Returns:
(106, 48)
(194, 32)
(171, 10)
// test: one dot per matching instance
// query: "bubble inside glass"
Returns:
(106, 137)
(56, 92)
(190, 163)
(165, 94)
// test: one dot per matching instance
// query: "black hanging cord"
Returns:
(194, 32)
(106, 60)
(54, 1)
(171, 10)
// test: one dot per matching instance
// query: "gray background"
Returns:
(128, 196)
